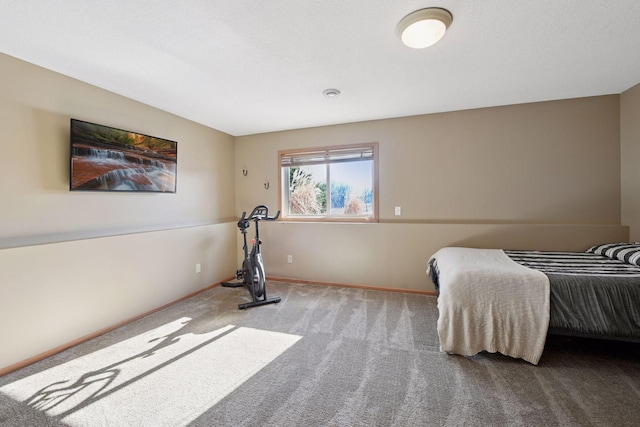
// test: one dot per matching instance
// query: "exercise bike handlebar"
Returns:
(261, 212)
(258, 213)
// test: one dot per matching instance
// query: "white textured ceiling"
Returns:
(253, 66)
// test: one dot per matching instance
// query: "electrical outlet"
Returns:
(398, 210)
(198, 268)
(290, 259)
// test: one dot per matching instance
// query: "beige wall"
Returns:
(479, 177)
(35, 107)
(53, 293)
(394, 255)
(630, 158)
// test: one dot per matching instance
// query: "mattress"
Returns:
(594, 293)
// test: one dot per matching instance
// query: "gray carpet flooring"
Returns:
(324, 356)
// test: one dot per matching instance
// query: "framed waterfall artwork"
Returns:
(109, 159)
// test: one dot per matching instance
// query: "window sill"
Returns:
(358, 220)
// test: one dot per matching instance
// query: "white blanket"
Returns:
(488, 302)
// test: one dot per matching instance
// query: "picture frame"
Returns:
(104, 158)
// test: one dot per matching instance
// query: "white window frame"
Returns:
(327, 155)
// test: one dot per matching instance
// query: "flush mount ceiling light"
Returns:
(331, 93)
(424, 27)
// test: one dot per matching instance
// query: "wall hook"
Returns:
(266, 185)
(245, 171)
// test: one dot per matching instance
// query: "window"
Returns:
(330, 183)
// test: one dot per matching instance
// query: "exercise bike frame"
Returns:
(252, 272)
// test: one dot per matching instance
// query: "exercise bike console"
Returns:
(252, 274)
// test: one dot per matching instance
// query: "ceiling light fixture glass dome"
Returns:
(424, 27)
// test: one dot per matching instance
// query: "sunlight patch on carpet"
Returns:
(166, 376)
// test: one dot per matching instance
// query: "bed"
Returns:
(507, 301)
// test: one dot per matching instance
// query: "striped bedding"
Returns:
(590, 294)
(574, 263)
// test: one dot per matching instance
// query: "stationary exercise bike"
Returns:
(252, 272)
